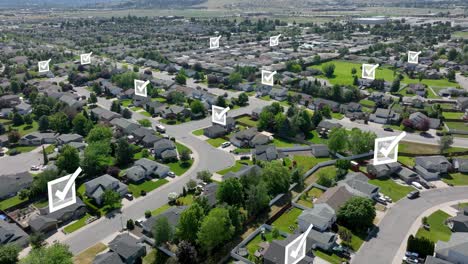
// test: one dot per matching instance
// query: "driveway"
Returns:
(394, 227)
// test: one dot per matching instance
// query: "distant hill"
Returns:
(101, 3)
(161, 3)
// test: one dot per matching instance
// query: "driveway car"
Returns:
(413, 195)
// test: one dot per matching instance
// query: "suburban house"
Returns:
(175, 112)
(23, 108)
(249, 138)
(415, 101)
(46, 222)
(459, 223)
(217, 130)
(431, 167)
(455, 250)
(320, 150)
(356, 183)
(38, 138)
(13, 183)
(172, 214)
(9, 100)
(321, 217)
(267, 153)
(146, 169)
(68, 138)
(124, 248)
(95, 188)
(10, 233)
(460, 164)
(246, 170)
(324, 127)
(104, 114)
(209, 191)
(165, 149)
(383, 170)
(319, 103)
(462, 103)
(334, 197)
(417, 88)
(384, 116)
(124, 126)
(418, 117)
(279, 94)
(274, 252)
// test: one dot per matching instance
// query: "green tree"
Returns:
(204, 176)
(197, 107)
(59, 122)
(215, 229)
(9, 254)
(243, 99)
(338, 140)
(127, 114)
(221, 101)
(43, 123)
(111, 199)
(14, 136)
(328, 69)
(186, 253)
(357, 213)
(266, 121)
(116, 107)
(96, 158)
(181, 78)
(257, 199)
(230, 192)
(123, 153)
(325, 180)
(451, 75)
(445, 142)
(162, 231)
(28, 119)
(17, 119)
(92, 98)
(81, 124)
(69, 159)
(99, 133)
(36, 240)
(55, 254)
(395, 85)
(144, 122)
(189, 223)
(185, 157)
(235, 78)
(361, 141)
(276, 177)
(452, 54)
(44, 156)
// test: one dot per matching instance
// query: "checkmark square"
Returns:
(214, 42)
(58, 186)
(219, 114)
(140, 88)
(368, 71)
(296, 250)
(274, 40)
(43, 66)
(386, 149)
(413, 56)
(85, 58)
(268, 77)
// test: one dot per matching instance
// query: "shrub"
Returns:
(130, 224)
(147, 213)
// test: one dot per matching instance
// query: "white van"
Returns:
(417, 185)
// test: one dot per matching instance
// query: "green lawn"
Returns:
(186, 200)
(22, 149)
(126, 102)
(178, 168)
(367, 103)
(408, 161)
(216, 142)
(343, 76)
(155, 256)
(456, 179)
(247, 121)
(285, 143)
(87, 256)
(460, 34)
(181, 147)
(198, 132)
(438, 230)
(287, 222)
(160, 209)
(41, 203)
(306, 198)
(338, 116)
(253, 244)
(457, 125)
(76, 225)
(26, 129)
(356, 240)
(50, 149)
(308, 162)
(453, 115)
(419, 148)
(314, 137)
(236, 167)
(331, 258)
(10, 202)
(391, 188)
(266, 98)
(146, 186)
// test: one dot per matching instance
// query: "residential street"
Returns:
(398, 220)
(21, 162)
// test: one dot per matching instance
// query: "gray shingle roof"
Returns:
(108, 258)
(125, 245)
(13, 183)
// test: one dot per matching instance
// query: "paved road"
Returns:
(21, 162)
(395, 225)
(206, 158)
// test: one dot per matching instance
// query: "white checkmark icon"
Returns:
(214, 42)
(368, 70)
(267, 77)
(386, 151)
(62, 194)
(413, 56)
(43, 65)
(141, 88)
(221, 114)
(303, 240)
(274, 40)
(86, 58)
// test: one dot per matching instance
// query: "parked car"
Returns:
(388, 129)
(128, 196)
(226, 144)
(35, 167)
(2, 153)
(425, 184)
(381, 200)
(160, 128)
(417, 185)
(413, 195)
(171, 174)
(410, 260)
(139, 222)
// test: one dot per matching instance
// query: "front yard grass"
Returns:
(391, 188)
(198, 132)
(76, 225)
(356, 239)
(331, 258)
(247, 121)
(146, 186)
(22, 149)
(285, 143)
(236, 167)
(287, 222)
(181, 147)
(438, 230)
(178, 167)
(408, 161)
(457, 125)
(10, 202)
(456, 179)
(315, 138)
(160, 209)
(453, 115)
(216, 142)
(87, 256)
(26, 129)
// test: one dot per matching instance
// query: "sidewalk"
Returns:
(417, 223)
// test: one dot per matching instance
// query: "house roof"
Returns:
(108, 258)
(164, 144)
(11, 233)
(172, 215)
(267, 153)
(70, 137)
(319, 216)
(125, 245)
(457, 245)
(335, 197)
(245, 170)
(358, 182)
(13, 183)
(328, 125)
(434, 260)
(429, 161)
(210, 193)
